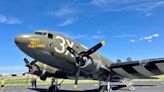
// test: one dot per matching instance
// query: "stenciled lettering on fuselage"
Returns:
(35, 43)
(62, 45)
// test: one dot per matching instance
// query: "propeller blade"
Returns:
(26, 61)
(77, 76)
(33, 62)
(95, 48)
(71, 50)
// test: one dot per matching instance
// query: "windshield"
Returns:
(41, 33)
(38, 33)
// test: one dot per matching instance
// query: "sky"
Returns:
(130, 28)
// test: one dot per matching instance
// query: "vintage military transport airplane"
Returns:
(58, 56)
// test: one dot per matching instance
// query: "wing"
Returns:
(139, 69)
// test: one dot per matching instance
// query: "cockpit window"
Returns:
(41, 33)
(50, 36)
(44, 33)
(38, 33)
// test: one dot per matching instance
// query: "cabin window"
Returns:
(50, 36)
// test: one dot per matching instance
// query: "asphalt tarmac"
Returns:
(140, 87)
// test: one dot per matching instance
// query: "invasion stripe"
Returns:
(132, 71)
(143, 71)
(116, 74)
(153, 68)
(160, 66)
(123, 73)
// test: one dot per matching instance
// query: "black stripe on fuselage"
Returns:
(132, 71)
(153, 68)
(117, 74)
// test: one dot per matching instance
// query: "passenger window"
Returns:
(50, 36)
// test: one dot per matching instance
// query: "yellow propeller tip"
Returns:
(102, 43)
(75, 86)
(66, 46)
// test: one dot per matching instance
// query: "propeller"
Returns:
(82, 57)
(31, 68)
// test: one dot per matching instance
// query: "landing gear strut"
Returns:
(54, 87)
(106, 86)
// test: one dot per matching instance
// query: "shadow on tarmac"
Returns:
(45, 90)
(123, 86)
(92, 90)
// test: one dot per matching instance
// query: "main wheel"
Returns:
(103, 88)
(43, 78)
(53, 88)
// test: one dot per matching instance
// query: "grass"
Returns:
(21, 81)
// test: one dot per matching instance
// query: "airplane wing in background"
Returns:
(139, 69)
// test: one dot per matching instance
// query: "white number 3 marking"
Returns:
(62, 44)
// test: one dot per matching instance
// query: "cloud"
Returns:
(99, 3)
(97, 35)
(142, 6)
(147, 38)
(80, 36)
(64, 11)
(9, 20)
(68, 22)
(89, 36)
(132, 40)
(12, 68)
(125, 36)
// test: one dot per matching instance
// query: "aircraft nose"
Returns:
(21, 39)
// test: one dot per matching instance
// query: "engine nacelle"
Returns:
(42, 70)
(90, 66)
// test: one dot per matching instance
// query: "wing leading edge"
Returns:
(144, 69)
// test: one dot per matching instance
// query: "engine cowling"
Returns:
(89, 65)
(42, 70)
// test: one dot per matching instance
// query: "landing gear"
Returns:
(106, 85)
(54, 87)
(43, 78)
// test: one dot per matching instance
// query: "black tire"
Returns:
(103, 88)
(53, 88)
(43, 78)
